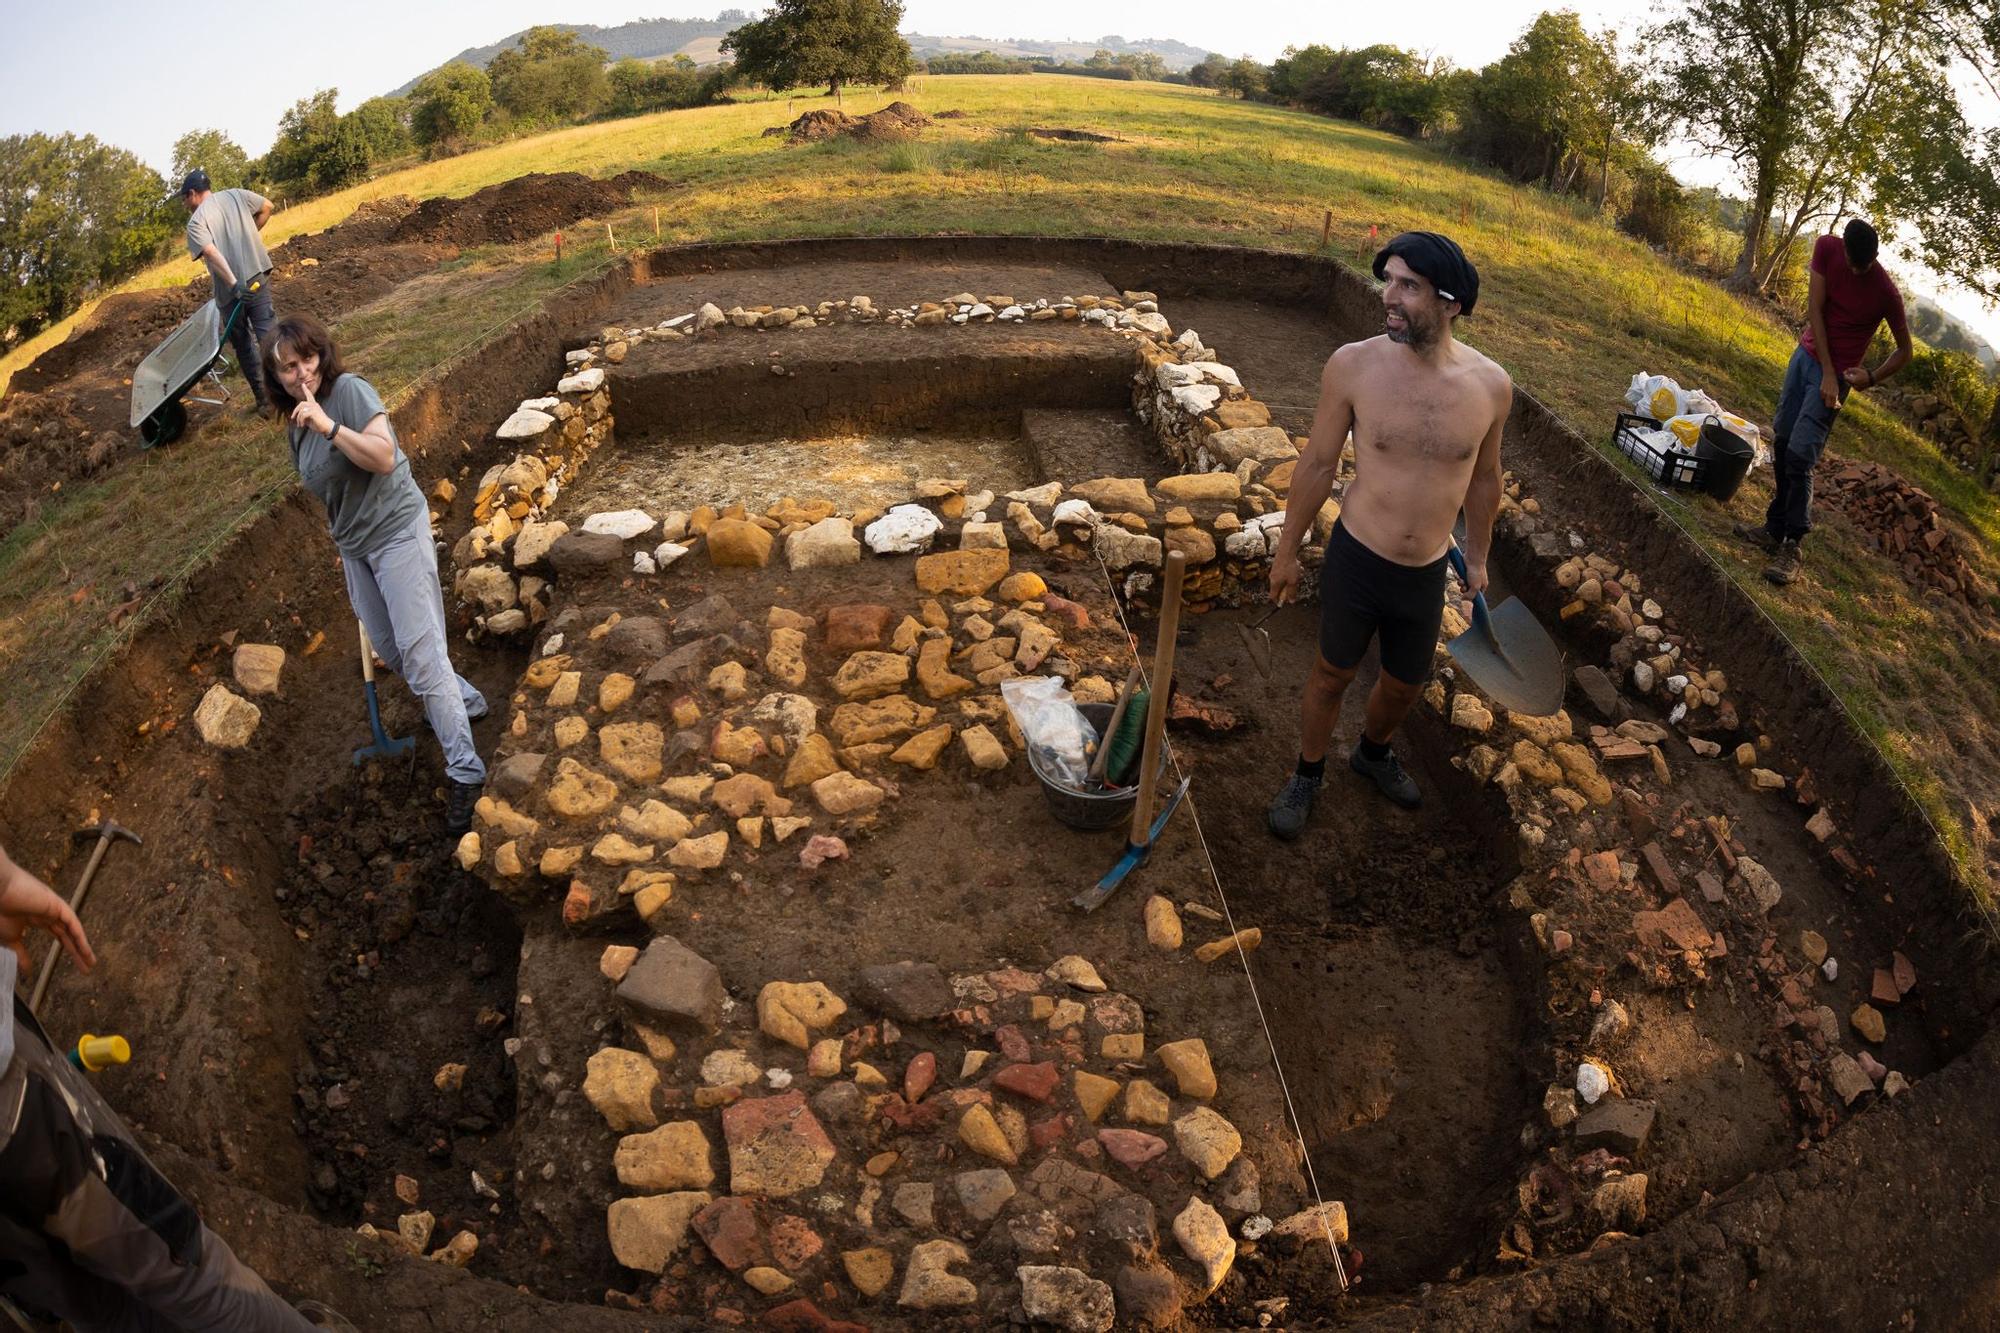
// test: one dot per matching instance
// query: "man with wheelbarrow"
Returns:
(1426, 413)
(222, 233)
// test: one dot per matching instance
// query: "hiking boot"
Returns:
(1784, 567)
(1292, 806)
(1757, 535)
(1388, 776)
(458, 805)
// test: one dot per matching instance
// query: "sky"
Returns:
(140, 75)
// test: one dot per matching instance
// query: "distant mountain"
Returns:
(1942, 329)
(1176, 55)
(655, 39)
(643, 39)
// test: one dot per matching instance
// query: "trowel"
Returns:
(1257, 641)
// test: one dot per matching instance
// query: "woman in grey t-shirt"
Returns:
(347, 455)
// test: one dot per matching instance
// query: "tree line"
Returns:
(78, 214)
(1828, 108)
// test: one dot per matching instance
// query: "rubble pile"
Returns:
(1903, 523)
(1632, 889)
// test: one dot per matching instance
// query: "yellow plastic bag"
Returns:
(1687, 428)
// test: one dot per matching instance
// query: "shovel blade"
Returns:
(1257, 645)
(1514, 660)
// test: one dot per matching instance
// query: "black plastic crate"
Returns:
(1669, 468)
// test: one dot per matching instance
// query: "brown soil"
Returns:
(521, 209)
(1073, 136)
(66, 416)
(896, 121)
(1417, 1061)
(1399, 1006)
(1072, 443)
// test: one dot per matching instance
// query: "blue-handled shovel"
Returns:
(384, 746)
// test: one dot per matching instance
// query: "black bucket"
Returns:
(1725, 457)
(1090, 809)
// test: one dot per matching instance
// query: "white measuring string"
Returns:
(1229, 920)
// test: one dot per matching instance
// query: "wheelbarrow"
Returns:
(191, 354)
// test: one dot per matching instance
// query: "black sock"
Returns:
(1373, 751)
(1312, 768)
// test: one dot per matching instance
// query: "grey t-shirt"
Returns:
(226, 220)
(364, 509)
(9, 964)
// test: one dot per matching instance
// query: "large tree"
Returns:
(214, 152)
(74, 213)
(799, 43)
(447, 106)
(550, 76)
(1550, 105)
(1835, 107)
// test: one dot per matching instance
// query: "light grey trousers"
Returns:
(90, 1232)
(396, 593)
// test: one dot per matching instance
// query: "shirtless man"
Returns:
(1426, 413)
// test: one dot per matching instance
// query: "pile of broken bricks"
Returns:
(1903, 523)
(1623, 881)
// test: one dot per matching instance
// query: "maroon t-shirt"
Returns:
(1855, 304)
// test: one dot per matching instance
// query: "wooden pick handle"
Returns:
(1156, 701)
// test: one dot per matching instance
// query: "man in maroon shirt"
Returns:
(1849, 296)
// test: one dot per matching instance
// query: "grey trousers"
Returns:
(90, 1231)
(397, 595)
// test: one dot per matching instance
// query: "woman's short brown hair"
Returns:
(308, 337)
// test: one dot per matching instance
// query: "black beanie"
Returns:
(1439, 259)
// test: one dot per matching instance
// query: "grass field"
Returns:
(1571, 307)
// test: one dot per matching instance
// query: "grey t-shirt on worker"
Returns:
(227, 220)
(9, 964)
(364, 509)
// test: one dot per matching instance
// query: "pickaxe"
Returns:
(104, 832)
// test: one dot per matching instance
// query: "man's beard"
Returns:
(1413, 333)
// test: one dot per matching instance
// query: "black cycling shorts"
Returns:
(1362, 595)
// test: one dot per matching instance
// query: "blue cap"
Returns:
(195, 183)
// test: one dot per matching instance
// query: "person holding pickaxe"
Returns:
(90, 1232)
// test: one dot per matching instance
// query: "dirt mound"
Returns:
(894, 122)
(519, 209)
(1065, 135)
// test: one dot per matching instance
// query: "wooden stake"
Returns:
(610, 240)
(656, 223)
(1326, 229)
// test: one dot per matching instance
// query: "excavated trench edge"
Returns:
(1562, 468)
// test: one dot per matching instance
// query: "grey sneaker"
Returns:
(1292, 807)
(1757, 535)
(1388, 776)
(1784, 567)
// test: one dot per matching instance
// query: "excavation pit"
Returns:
(1427, 978)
